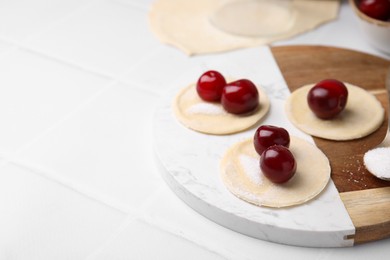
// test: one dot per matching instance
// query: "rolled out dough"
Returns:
(254, 18)
(240, 172)
(186, 24)
(210, 117)
(362, 115)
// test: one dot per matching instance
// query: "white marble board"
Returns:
(190, 165)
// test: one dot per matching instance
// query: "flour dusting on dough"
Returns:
(211, 118)
(252, 168)
(206, 108)
(186, 24)
(240, 164)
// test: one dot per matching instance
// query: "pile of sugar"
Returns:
(251, 168)
(206, 108)
(377, 161)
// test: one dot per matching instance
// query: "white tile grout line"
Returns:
(130, 218)
(15, 45)
(23, 45)
(52, 24)
(83, 190)
(64, 118)
(131, 213)
(142, 217)
(12, 157)
(90, 192)
(190, 238)
(118, 78)
(171, 229)
(134, 4)
(70, 14)
(113, 82)
(12, 48)
(114, 235)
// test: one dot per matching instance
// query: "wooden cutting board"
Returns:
(366, 198)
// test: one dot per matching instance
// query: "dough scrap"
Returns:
(210, 117)
(240, 172)
(262, 18)
(186, 24)
(362, 115)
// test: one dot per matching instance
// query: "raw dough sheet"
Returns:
(186, 24)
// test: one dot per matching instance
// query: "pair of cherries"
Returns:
(276, 160)
(237, 97)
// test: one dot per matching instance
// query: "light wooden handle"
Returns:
(370, 213)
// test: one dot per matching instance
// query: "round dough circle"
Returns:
(210, 117)
(362, 115)
(240, 172)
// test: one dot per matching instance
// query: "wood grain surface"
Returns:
(362, 193)
(370, 213)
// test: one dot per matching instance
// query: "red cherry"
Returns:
(278, 164)
(327, 98)
(240, 96)
(377, 9)
(268, 135)
(210, 85)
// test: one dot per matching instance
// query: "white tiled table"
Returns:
(79, 81)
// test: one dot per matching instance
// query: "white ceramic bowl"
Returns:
(377, 32)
